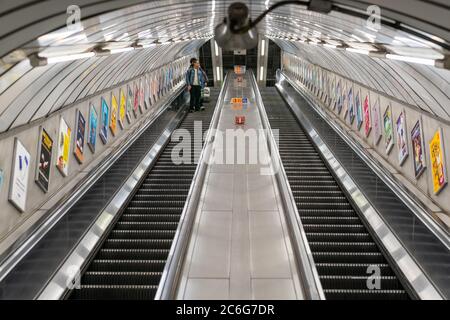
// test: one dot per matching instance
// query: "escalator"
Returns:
(130, 261)
(341, 246)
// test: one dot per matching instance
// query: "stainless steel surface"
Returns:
(405, 259)
(307, 269)
(171, 273)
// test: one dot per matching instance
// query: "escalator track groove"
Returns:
(342, 248)
(131, 259)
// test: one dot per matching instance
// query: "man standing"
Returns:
(196, 80)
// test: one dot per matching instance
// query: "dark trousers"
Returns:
(196, 93)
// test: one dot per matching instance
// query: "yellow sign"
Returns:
(122, 109)
(236, 100)
(114, 109)
(437, 162)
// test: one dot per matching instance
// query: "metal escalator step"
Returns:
(348, 257)
(150, 218)
(156, 203)
(353, 269)
(114, 265)
(324, 219)
(142, 234)
(323, 205)
(117, 292)
(361, 282)
(121, 278)
(316, 212)
(132, 254)
(341, 247)
(338, 237)
(165, 197)
(340, 294)
(140, 225)
(154, 210)
(339, 228)
(137, 244)
(163, 191)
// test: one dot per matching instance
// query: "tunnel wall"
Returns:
(38, 201)
(308, 74)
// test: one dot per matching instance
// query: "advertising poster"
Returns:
(65, 134)
(418, 149)
(141, 96)
(388, 130)
(402, 143)
(2, 179)
(122, 109)
(79, 142)
(129, 103)
(105, 122)
(359, 111)
(377, 132)
(19, 176)
(367, 122)
(93, 122)
(438, 170)
(147, 94)
(344, 101)
(339, 97)
(351, 106)
(114, 110)
(136, 100)
(44, 160)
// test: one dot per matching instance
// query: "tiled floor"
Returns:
(239, 247)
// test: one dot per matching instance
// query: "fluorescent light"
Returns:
(428, 62)
(360, 51)
(216, 48)
(330, 45)
(120, 50)
(261, 74)
(218, 73)
(263, 48)
(70, 57)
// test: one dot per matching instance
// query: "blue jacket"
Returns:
(202, 78)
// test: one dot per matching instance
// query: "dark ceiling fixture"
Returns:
(238, 31)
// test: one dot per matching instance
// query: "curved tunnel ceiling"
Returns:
(29, 93)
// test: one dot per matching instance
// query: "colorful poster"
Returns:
(136, 100)
(351, 106)
(65, 134)
(418, 149)
(147, 93)
(377, 131)
(359, 111)
(105, 122)
(2, 179)
(388, 130)
(141, 96)
(344, 101)
(93, 121)
(122, 109)
(114, 110)
(129, 103)
(79, 142)
(402, 143)
(44, 160)
(437, 159)
(19, 176)
(367, 121)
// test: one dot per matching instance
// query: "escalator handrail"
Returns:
(172, 270)
(311, 284)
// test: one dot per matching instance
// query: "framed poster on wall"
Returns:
(402, 140)
(44, 160)
(93, 122)
(136, 100)
(344, 101)
(19, 176)
(114, 111)
(437, 159)
(359, 111)
(141, 96)
(351, 106)
(129, 103)
(64, 137)
(147, 93)
(122, 109)
(79, 138)
(367, 120)
(104, 122)
(388, 130)
(418, 149)
(377, 132)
